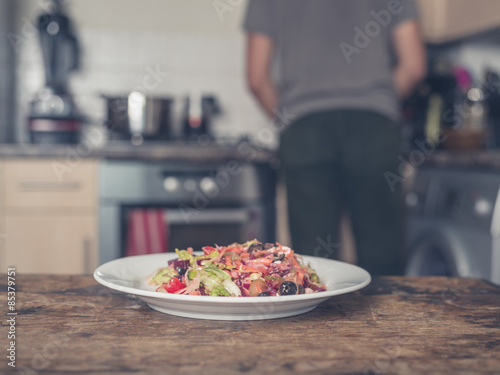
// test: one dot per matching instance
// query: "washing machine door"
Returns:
(433, 253)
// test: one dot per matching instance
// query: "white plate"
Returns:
(129, 275)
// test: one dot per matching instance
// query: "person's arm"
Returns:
(411, 55)
(259, 53)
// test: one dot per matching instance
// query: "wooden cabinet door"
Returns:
(446, 20)
(51, 244)
(36, 183)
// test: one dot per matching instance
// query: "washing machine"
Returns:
(453, 223)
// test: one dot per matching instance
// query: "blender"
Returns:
(53, 116)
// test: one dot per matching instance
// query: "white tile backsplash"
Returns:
(115, 62)
(476, 57)
(480, 57)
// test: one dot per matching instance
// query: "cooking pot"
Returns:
(138, 117)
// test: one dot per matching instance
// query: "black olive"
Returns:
(268, 246)
(288, 288)
(301, 290)
(263, 294)
(278, 257)
(181, 270)
(255, 247)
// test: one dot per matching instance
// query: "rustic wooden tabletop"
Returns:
(72, 325)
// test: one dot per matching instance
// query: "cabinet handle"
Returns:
(87, 256)
(48, 185)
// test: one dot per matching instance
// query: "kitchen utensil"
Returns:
(138, 117)
(53, 116)
(198, 113)
(465, 125)
(128, 275)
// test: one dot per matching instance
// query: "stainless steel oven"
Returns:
(183, 204)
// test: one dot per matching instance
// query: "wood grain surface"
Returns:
(397, 325)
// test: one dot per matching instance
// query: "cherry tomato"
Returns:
(174, 285)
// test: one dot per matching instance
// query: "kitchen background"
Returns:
(198, 46)
(199, 50)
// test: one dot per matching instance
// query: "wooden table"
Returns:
(72, 325)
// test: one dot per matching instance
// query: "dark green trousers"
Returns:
(334, 161)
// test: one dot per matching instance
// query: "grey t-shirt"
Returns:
(332, 54)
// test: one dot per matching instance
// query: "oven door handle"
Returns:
(188, 216)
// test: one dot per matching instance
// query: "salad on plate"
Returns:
(251, 269)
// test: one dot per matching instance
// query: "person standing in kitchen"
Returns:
(342, 68)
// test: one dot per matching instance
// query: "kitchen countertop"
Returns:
(477, 159)
(150, 151)
(72, 325)
(179, 151)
